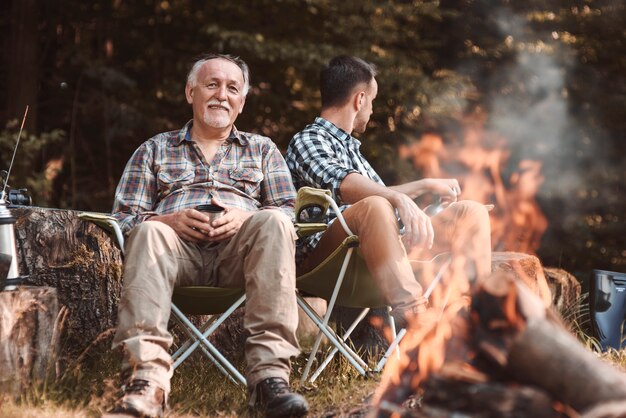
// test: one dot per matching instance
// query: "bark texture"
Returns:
(59, 250)
(29, 337)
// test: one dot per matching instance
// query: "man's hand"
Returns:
(194, 226)
(190, 224)
(418, 227)
(448, 189)
(227, 225)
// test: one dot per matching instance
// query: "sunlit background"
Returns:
(524, 102)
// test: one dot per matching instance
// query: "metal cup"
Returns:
(211, 210)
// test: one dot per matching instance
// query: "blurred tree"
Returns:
(110, 74)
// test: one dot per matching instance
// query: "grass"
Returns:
(89, 387)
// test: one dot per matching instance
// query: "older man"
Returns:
(170, 243)
(325, 155)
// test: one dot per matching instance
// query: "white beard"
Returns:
(216, 119)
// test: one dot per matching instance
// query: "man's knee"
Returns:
(377, 206)
(272, 220)
(472, 212)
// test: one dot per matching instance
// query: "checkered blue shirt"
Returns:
(321, 156)
(168, 173)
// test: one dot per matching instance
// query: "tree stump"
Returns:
(29, 337)
(79, 259)
(526, 268)
(565, 290)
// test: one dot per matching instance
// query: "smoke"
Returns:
(529, 106)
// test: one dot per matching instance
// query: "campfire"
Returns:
(498, 352)
(478, 159)
(493, 347)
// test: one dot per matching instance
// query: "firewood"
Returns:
(508, 355)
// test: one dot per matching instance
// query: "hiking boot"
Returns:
(141, 398)
(274, 398)
(403, 317)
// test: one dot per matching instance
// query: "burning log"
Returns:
(503, 355)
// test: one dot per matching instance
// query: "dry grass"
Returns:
(89, 386)
(198, 390)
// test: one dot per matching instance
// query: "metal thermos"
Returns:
(7, 241)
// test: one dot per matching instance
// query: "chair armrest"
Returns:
(309, 197)
(304, 229)
(106, 222)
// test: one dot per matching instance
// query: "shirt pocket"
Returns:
(247, 179)
(171, 179)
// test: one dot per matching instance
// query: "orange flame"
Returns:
(477, 160)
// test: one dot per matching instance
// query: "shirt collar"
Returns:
(338, 133)
(185, 135)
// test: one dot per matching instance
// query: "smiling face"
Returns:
(217, 97)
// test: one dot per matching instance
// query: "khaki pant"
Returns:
(463, 227)
(260, 257)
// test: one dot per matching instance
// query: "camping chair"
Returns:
(217, 302)
(341, 279)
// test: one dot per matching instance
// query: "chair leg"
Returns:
(183, 348)
(324, 326)
(201, 338)
(182, 353)
(344, 338)
(393, 346)
(352, 357)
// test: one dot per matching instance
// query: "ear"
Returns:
(189, 93)
(358, 100)
(243, 102)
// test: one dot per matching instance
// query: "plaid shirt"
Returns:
(168, 173)
(321, 156)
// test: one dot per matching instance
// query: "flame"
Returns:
(477, 159)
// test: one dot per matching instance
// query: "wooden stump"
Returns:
(526, 268)
(79, 259)
(565, 290)
(29, 337)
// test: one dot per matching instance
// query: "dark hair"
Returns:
(195, 68)
(341, 75)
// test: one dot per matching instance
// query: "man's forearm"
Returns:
(355, 187)
(412, 189)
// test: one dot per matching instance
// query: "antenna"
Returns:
(6, 180)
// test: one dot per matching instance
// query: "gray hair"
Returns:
(192, 77)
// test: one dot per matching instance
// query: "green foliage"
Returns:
(33, 167)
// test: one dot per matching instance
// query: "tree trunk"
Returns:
(22, 75)
(78, 258)
(29, 337)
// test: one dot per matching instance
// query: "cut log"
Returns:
(507, 339)
(526, 268)
(29, 337)
(565, 290)
(59, 250)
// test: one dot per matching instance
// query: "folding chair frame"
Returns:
(339, 342)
